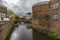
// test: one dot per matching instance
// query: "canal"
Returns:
(23, 33)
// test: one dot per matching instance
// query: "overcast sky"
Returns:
(21, 7)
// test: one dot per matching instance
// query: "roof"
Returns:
(41, 3)
(3, 9)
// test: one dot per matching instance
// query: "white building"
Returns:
(29, 16)
(3, 12)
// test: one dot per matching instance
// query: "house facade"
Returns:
(46, 15)
(11, 14)
(28, 16)
(54, 16)
(3, 12)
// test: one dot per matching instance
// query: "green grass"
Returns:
(50, 34)
(54, 35)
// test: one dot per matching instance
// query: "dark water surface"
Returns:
(22, 33)
(40, 36)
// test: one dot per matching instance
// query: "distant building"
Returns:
(29, 16)
(11, 14)
(24, 17)
(46, 15)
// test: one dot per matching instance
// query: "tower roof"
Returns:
(41, 3)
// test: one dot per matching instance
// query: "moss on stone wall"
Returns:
(49, 34)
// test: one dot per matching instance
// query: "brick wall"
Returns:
(39, 13)
(54, 25)
(45, 15)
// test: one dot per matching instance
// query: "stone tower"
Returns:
(51, 22)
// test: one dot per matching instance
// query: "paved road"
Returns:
(2, 22)
(22, 33)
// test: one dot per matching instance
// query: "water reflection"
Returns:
(22, 33)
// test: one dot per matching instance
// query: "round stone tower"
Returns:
(41, 12)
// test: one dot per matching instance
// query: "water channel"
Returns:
(24, 33)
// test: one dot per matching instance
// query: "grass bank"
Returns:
(49, 34)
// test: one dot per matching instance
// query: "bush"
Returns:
(17, 17)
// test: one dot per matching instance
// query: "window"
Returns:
(7, 16)
(55, 5)
(47, 17)
(56, 17)
(4, 15)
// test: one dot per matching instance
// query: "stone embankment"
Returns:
(5, 28)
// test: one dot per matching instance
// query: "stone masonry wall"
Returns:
(39, 14)
(5, 29)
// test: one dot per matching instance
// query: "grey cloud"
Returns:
(22, 6)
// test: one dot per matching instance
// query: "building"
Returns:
(3, 12)
(28, 16)
(41, 13)
(11, 14)
(46, 15)
(54, 16)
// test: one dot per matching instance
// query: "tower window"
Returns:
(55, 5)
(47, 17)
(55, 17)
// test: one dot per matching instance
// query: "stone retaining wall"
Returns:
(5, 29)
